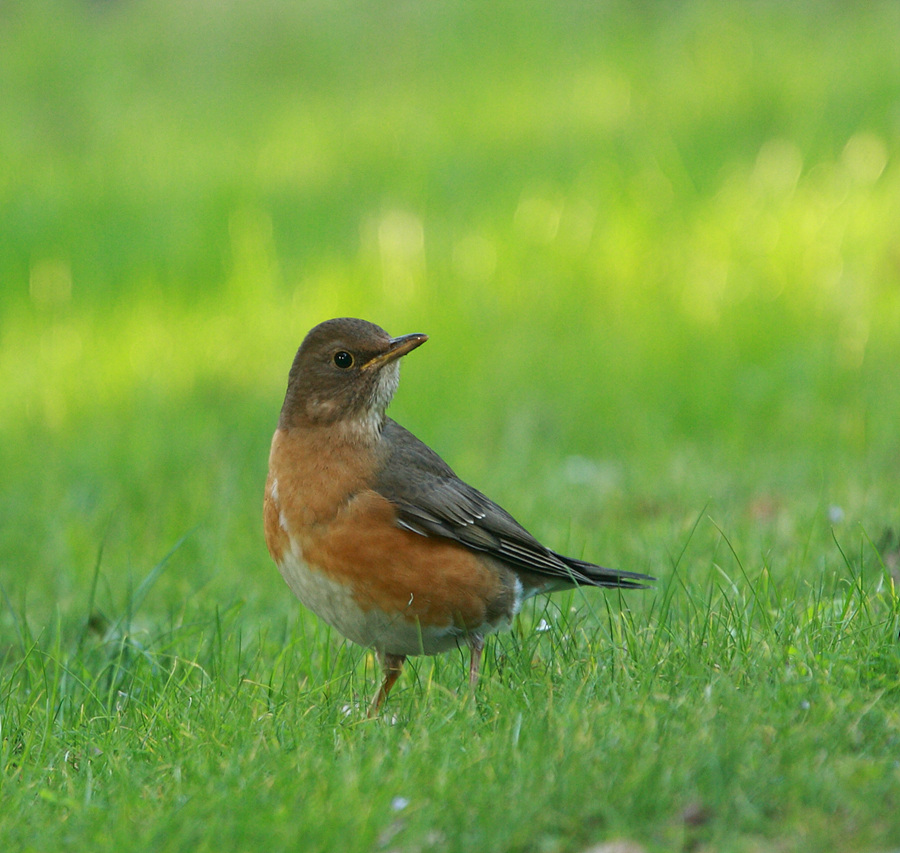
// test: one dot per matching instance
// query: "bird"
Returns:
(374, 532)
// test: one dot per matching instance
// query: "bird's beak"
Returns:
(397, 347)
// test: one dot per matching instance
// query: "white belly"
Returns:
(334, 602)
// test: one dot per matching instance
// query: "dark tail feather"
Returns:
(588, 574)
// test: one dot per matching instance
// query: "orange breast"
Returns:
(429, 580)
(317, 494)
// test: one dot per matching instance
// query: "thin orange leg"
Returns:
(392, 666)
(476, 647)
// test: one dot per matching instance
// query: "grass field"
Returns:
(656, 248)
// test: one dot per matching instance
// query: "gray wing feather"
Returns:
(432, 501)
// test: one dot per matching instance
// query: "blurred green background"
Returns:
(656, 247)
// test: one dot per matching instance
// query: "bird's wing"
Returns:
(432, 501)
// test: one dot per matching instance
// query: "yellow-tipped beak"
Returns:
(398, 348)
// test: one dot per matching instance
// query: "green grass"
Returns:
(655, 249)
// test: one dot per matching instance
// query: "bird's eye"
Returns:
(343, 359)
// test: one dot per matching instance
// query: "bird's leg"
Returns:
(476, 647)
(392, 666)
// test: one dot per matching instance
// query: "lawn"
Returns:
(656, 248)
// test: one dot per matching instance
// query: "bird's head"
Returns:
(346, 371)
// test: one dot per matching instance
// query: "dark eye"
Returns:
(343, 359)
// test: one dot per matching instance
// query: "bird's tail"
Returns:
(588, 574)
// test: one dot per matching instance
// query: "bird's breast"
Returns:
(340, 550)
